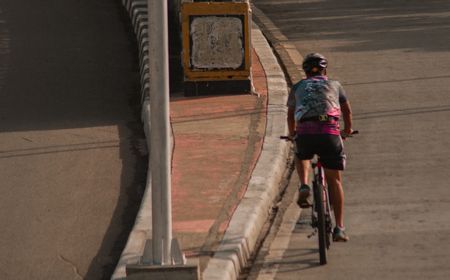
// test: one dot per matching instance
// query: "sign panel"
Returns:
(216, 43)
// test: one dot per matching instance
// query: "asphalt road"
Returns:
(71, 170)
(393, 59)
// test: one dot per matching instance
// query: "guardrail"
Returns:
(134, 249)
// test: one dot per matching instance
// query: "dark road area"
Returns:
(72, 169)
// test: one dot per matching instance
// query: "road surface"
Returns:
(71, 170)
(393, 59)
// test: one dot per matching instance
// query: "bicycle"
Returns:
(321, 218)
(321, 214)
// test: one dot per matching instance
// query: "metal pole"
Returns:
(160, 133)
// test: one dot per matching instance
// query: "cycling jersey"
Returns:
(317, 105)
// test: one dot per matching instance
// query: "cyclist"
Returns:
(314, 108)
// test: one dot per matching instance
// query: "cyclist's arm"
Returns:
(347, 116)
(291, 120)
(346, 110)
(291, 111)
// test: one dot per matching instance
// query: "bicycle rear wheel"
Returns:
(321, 222)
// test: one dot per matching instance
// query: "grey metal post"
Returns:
(159, 136)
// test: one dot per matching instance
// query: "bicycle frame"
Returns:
(321, 214)
(319, 175)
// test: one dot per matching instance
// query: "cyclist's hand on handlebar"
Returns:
(290, 138)
(348, 133)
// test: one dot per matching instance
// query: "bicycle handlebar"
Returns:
(346, 135)
(343, 135)
(285, 138)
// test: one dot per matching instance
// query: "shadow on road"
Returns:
(401, 112)
(74, 64)
(65, 67)
(362, 26)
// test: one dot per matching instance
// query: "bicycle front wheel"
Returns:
(321, 223)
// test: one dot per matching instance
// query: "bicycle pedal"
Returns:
(312, 234)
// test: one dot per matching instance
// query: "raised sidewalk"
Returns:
(228, 162)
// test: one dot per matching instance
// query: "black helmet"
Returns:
(314, 62)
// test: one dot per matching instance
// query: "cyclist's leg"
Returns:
(333, 160)
(334, 180)
(304, 151)
(303, 167)
(337, 200)
(304, 154)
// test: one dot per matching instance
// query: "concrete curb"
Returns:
(253, 210)
(245, 226)
(137, 10)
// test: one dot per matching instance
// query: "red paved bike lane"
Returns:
(218, 139)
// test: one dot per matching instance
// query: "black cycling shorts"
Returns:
(328, 147)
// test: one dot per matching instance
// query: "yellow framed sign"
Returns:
(216, 41)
